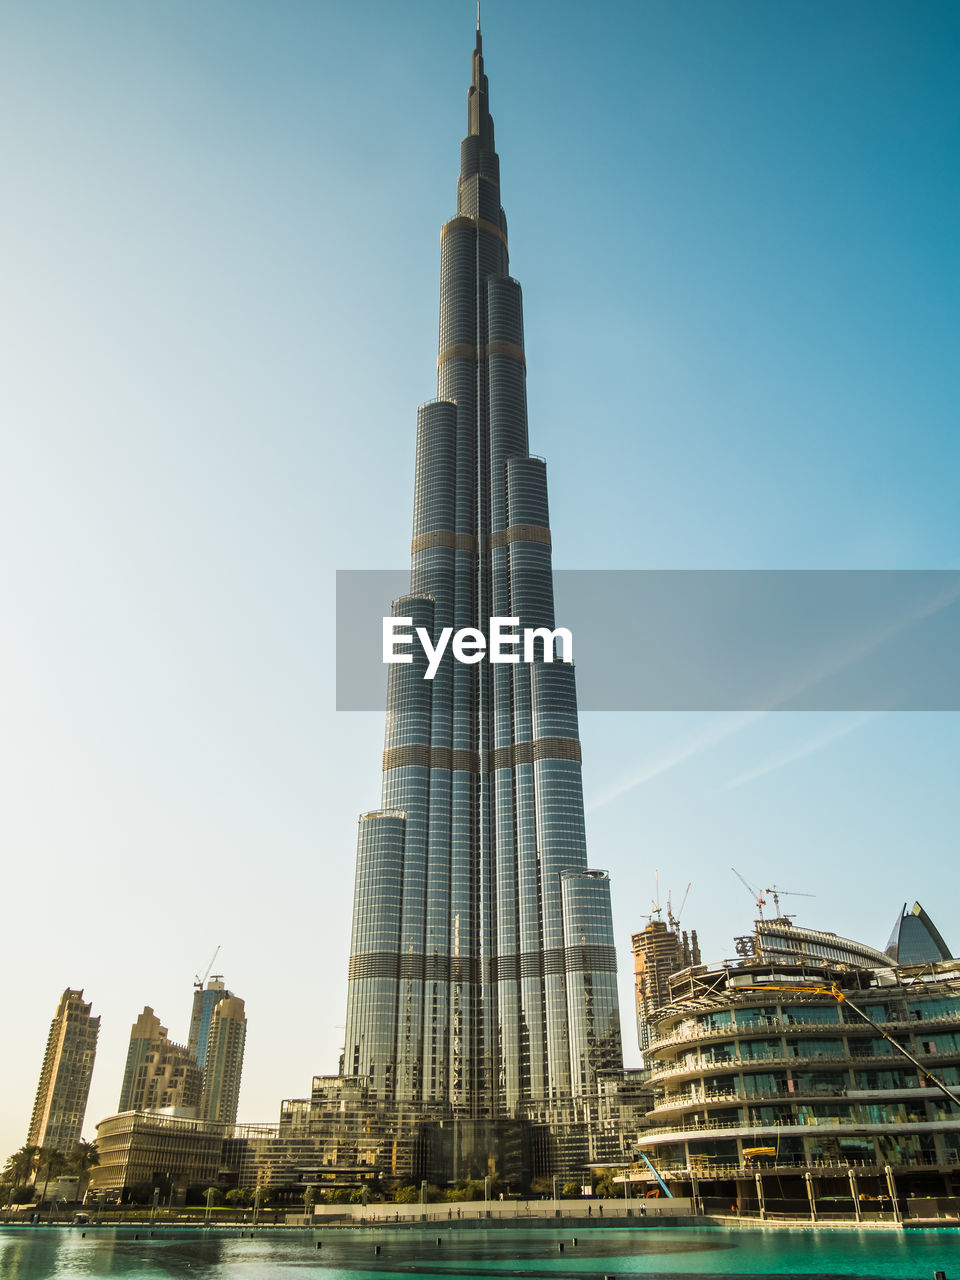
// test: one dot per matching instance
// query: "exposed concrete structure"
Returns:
(659, 950)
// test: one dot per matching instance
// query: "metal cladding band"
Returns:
(392, 964)
(475, 224)
(511, 349)
(483, 968)
(508, 757)
(520, 533)
(468, 541)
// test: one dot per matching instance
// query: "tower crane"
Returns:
(197, 980)
(777, 893)
(674, 920)
(756, 894)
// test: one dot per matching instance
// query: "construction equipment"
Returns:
(756, 894)
(666, 1189)
(197, 980)
(777, 893)
(674, 920)
(841, 999)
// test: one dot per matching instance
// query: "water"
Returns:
(349, 1254)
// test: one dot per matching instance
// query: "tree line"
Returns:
(26, 1167)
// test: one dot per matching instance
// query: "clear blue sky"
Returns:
(735, 225)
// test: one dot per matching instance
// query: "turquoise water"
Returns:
(42, 1253)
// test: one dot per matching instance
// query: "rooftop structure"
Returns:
(916, 939)
(781, 938)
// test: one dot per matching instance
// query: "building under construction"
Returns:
(659, 950)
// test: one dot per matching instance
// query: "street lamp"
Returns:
(760, 1201)
(811, 1196)
(892, 1186)
(854, 1192)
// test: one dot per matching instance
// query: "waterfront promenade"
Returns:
(573, 1213)
(659, 1247)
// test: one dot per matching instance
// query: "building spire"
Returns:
(479, 123)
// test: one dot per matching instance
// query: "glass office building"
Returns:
(482, 970)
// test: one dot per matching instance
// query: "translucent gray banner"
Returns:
(667, 640)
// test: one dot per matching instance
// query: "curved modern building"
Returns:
(782, 939)
(915, 939)
(482, 969)
(759, 1070)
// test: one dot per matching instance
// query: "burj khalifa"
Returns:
(482, 975)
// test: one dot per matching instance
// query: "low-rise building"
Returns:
(759, 1069)
(142, 1152)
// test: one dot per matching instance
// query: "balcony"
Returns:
(776, 1023)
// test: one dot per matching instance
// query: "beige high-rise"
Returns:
(224, 1061)
(61, 1101)
(158, 1073)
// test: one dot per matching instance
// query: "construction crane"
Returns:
(756, 894)
(777, 893)
(197, 980)
(674, 920)
(841, 999)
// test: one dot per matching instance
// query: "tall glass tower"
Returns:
(482, 968)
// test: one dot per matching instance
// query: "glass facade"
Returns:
(819, 1089)
(482, 967)
(916, 939)
(205, 1000)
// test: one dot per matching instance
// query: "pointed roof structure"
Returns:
(915, 939)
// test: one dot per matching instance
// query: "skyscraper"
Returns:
(223, 1061)
(482, 975)
(158, 1073)
(205, 1000)
(57, 1118)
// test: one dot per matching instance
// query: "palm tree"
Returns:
(80, 1161)
(21, 1165)
(52, 1162)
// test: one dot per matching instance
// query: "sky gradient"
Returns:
(735, 227)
